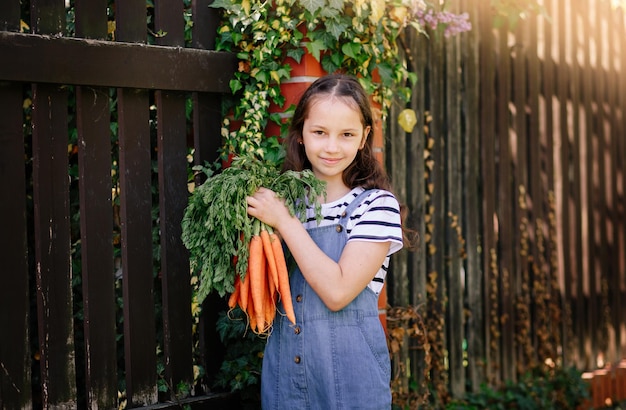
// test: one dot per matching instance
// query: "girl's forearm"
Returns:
(322, 273)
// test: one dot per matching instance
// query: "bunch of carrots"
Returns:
(266, 281)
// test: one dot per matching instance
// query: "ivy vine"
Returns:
(359, 38)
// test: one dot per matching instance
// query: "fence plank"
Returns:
(110, 64)
(10, 15)
(52, 250)
(454, 218)
(416, 192)
(474, 303)
(488, 132)
(136, 219)
(136, 208)
(94, 156)
(518, 151)
(618, 59)
(94, 161)
(506, 203)
(15, 390)
(172, 163)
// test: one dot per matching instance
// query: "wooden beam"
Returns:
(74, 61)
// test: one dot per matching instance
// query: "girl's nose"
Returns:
(331, 144)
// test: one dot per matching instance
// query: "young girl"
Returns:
(336, 355)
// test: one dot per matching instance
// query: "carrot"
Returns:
(270, 302)
(269, 252)
(244, 292)
(257, 267)
(234, 297)
(251, 314)
(283, 278)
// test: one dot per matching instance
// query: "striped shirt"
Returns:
(376, 219)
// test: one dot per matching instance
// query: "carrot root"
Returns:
(283, 279)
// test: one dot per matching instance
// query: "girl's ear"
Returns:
(366, 134)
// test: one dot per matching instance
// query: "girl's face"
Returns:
(332, 134)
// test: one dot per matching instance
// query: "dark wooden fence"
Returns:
(38, 364)
(515, 178)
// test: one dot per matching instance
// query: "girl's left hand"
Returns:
(267, 207)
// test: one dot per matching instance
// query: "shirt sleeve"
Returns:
(377, 219)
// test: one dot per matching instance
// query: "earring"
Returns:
(300, 142)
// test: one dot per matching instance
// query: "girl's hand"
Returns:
(267, 207)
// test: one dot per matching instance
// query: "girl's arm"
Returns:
(336, 283)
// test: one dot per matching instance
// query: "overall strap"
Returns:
(353, 205)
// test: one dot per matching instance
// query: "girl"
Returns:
(336, 355)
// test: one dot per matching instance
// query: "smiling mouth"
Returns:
(331, 161)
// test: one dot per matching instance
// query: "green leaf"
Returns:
(312, 5)
(315, 48)
(352, 50)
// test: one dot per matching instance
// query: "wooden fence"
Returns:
(514, 176)
(515, 180)
(116, 85)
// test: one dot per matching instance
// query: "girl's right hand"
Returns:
(268, 208)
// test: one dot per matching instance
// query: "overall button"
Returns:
(339, 228)
(296, 359)
(299, 298)
(296, 330)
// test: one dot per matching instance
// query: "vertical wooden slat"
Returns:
(547, 141)
(613, 147)
(605, 338)
(397, 159)
(585, 181)
(455, 217)
(436, 266)
(620, 169)
(136, 207)
(562, 184)
(520, 229)
(47, 16)
(94, 156)
(488, 132)
(172, 160)
(52, 226)
(416, 188)
(52, 245)
(15, 389)
(136, 220)
(472, 141)
(507, 198)
(91, 19)
(15, 384)
(207, 142)
(536, 199)
(10, 15)
(94, 161)
(574, 179)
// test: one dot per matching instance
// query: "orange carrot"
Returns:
(258, 277)
(270, 302)
(251, 314)
(244, 292)
(269, 252)
(234, 297)
(283, 278)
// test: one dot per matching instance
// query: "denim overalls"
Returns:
(328, 360)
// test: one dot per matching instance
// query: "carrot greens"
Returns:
(216, 228)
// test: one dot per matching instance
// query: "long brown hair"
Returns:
(365, 170)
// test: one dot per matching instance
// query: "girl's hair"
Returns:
(365, 170)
